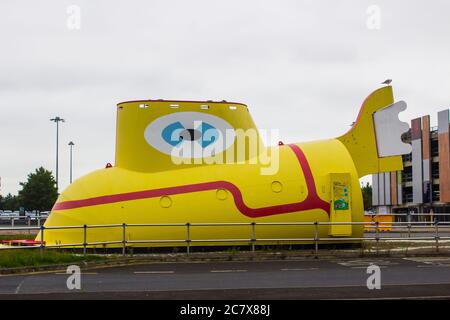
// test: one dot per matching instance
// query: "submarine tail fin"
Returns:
(375, 139)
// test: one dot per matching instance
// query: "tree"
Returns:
(39, 192)
(367, 196)
(9, 202)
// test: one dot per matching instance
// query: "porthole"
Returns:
(165, 201)
(221, 194)
(276, 186)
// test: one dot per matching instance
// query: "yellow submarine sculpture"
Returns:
(183, 162)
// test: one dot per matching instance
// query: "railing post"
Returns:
(42, 246)
(316, 238)
(188, 238)
(436, 237)
(124, 239)
(377, 235)
(253, 236)
(39, 221)
(409, 224)
(12, 222)
(84, 239)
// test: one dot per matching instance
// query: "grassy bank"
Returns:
(16, 236)
(33, 258)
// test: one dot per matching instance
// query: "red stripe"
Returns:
(311, 202)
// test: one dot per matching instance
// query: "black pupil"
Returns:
(190, 134)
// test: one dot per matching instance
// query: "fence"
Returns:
(420, 217)
(432, 232)
(21, 220)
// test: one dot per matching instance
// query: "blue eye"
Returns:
(171, 133)
(190, 134)
(204, 134)
(209, 134)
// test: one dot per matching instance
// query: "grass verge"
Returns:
(17, 236)
(32, 258)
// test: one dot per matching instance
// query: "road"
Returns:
(420, 277)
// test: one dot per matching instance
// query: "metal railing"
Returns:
(252, 240)
(418, 217)
(22, 220)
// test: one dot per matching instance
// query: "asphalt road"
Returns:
(420, 277)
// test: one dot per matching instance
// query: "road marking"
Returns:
(298, 269)
(365, 267)
(83, 273)
(19, 286)
(433, 266)
(364, 263)
(431, 261)
(428, 259)
(224, 271)
(153, 272)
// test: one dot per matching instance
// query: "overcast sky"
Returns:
(303, 67)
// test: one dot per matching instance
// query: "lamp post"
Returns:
(71, 144)
(57, 120)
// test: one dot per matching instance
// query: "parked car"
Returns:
(45, 214)
(7, 213)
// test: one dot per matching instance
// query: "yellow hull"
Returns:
(315, 181)
(214, 204)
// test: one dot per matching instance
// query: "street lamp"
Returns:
(57, 120)
(71, 144)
